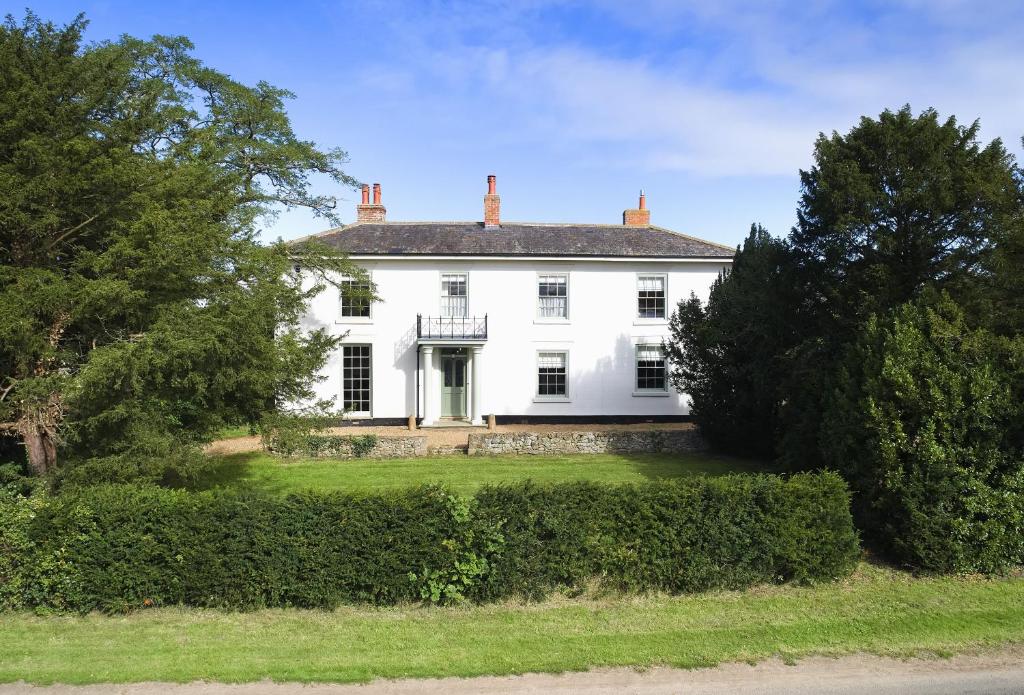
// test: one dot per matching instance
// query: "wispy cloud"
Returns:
(715, 89)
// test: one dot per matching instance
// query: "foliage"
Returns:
(140, 312)
(826, 347)
(289, 433)
(926, 421)
(728, 356)
(303, 434)
(897, 205)
(900, 206)
(692, 534)
(362, 445)
(33, 573)
(164, 465)
(132, 546)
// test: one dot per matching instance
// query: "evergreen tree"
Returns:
(730, 356)
(895, 206)
(925, 423)
(899, 206)
(138, 310)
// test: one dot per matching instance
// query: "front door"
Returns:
(453, 392)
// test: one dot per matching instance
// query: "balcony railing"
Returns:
(451, 327)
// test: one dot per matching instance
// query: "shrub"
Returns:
(727, 355)
(36, 572)
(300, 435)
(133, 546)
(680, 536)
(926, 425)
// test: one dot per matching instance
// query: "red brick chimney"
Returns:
(638, 217)
(365, 212)
(492, 204)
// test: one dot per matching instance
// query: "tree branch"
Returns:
(71, 231)
(7, 390)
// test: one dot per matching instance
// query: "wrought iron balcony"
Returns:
(451, 327)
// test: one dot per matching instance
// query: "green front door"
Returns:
(453, 392)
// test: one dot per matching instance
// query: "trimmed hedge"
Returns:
(118, 548)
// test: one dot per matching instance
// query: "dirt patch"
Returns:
(999, 672)
(449, 436)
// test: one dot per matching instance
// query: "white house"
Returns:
(525, 321)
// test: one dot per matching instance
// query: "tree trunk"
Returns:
(37, 427)
(41, 447)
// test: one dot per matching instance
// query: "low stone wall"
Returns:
(446, 450)
(603, 442)
(343, 447)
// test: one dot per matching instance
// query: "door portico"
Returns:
(451, 377)
(451, 371)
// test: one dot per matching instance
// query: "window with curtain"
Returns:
(553, 296)
(454, 300)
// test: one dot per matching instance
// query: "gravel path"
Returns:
(447, 436)
(994, 673)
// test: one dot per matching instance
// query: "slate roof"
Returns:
(515, 239)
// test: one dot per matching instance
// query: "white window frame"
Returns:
(637, 391)
(539, 318)
(441, 296)
(646, 320)
(357, 414)
(354, 319)
(564, 398)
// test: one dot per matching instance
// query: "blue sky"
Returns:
(711, 106)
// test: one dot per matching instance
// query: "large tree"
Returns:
(729, 356)
(138, 310)
(898, 206)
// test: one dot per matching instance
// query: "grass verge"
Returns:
(462, 473)
(877, 611)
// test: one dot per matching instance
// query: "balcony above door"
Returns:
(450, 330)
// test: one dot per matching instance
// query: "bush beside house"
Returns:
(926, 420)
(118, 548)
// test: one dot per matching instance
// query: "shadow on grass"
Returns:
(259, 471)
(662, 466)
(230, 470)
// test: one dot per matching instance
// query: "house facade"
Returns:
(528, 322)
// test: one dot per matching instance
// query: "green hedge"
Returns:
(118, 548)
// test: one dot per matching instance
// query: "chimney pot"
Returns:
(365, 212)
(638, 216)
(492, 204)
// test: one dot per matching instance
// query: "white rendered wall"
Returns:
(600, 334)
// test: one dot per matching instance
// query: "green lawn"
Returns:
(461, 473)
(876, 611)
(233, 432)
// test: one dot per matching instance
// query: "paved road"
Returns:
(999, 673)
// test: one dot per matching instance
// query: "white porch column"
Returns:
(427, 360)
(477, 375)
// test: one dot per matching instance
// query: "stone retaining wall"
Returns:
(603, 442)
(341, 447)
